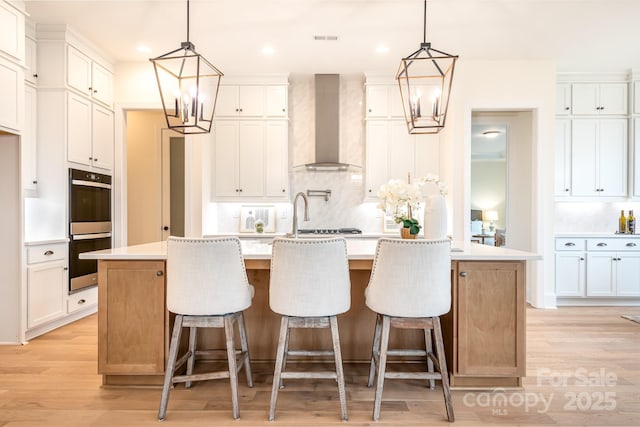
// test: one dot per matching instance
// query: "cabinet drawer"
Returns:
(43, 253)
(618, 244)
(83, 299)
(569, 244)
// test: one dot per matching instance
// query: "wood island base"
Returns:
(484, 332)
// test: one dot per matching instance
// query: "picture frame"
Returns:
(389, 225)
(250, 214)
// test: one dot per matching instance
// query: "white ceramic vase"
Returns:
(435, 217)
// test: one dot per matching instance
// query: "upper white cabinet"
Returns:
(563, 99)
(636, 169)
(392, 153)
(384, 101)
(599, 157)
(89, 77)
(636, 97)
(276, 159)
(11, 90)
(12, 33)
(31, 60)
(599, 99)
(29, 142)
(252, 101)
(90, 133)
(563, 158)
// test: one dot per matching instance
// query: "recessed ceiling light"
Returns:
(143, 48)
(491, 133)
(268, 50)
(381, 48)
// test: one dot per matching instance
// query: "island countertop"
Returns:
(357, 249)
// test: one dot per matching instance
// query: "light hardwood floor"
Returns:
(52, 381)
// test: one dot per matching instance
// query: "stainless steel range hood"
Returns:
(327, 134)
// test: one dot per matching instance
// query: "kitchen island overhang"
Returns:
(484, 331)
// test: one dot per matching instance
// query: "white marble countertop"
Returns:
(357, 249)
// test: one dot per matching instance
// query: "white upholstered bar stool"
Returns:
(309, 287)
(409, 288)
(207, 287)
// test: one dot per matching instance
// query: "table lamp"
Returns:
(490, 216)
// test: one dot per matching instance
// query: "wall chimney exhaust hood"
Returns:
(327, 133)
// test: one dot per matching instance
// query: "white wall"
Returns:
(505, 85)
(489, 188)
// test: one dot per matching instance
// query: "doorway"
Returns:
(501, 175)
(155, 178)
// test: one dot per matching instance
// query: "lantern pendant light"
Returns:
(424, 78)
(188, 85)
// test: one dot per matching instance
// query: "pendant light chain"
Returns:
(189, 15)
(424, 27)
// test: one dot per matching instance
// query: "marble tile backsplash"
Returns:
(592, 217)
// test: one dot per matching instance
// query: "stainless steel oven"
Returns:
(89, 224)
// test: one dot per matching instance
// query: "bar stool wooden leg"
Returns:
(375, 350)
(286, 354)
(244, 343)
(429, 347)
(339, 370)
(231, 357)
(382, 362)
(442, 361)
(193, 333)
(171, 364)
(284, 331)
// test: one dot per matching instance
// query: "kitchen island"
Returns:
(484, 332)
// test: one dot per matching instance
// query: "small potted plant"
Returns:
(410, 226)
(259, 226)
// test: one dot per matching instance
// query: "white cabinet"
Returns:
(31, 60)
(47, 278)
(90, 133)
(636, 97)
(597, 267)
(563, 158)
(89, 77)
(239, 159)
(599, 98)
(29, 142)
(392, 153)
(636, 157)
(570, 274)
(11, 90)
(250, 159)
(563, 99)
(252, 101)
(12, 29)
(384, 101)
(276, 159)
(82, 300)
(599, 157)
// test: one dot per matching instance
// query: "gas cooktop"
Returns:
(330, 231)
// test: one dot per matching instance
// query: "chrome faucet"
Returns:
(294, 231)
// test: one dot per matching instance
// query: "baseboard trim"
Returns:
(55, 324)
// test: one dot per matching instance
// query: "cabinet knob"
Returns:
(95, 91)
(159, 273)
(566, 108)
(35, 76)
(82, 301)
(566, 189)
(283, 190)
(570, 244)
(463, 274)
(283, 110)
(49, 253)
(601, 244)
(581, 259)
(241, 110)
(369, 109)
(369, 190)
(165, 228)
(90, 88)
(66, 268)
(240, 190)
(95, 159)
(237, 190)
(90, 158)
(237, 110)
(631, 244)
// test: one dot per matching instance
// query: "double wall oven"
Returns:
(89, 224)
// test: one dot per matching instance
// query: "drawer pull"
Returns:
(631, 244)
(463, 274)
(82, 301)
(581, 259)
(601, 244)
(48, 253)
(159, 273)
(570, 244)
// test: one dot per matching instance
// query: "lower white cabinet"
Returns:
(597, 267)
(47, 279)
(82, 299)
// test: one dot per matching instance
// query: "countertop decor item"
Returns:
(257, 219)
(425, 78)
(188, 85)
(400, 198)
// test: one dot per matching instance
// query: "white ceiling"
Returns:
(580, 35)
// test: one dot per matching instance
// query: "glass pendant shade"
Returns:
(188, 86)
